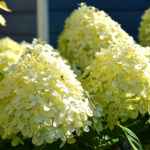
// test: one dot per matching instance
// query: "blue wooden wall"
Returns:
(21, 22)
(126, 12)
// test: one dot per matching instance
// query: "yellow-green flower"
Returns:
(144, 30)
(41, 99)
(86, 31)
(119, 81)
(10, 52)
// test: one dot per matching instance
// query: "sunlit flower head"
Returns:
(119, 81)
(41, 99)
(86, 31)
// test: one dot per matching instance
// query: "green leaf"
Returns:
(132, 138)
(2, 20)
(4, 7)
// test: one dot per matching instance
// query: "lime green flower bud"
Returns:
(10, 52)
(86, 31)
(41, 98)
(144, 30)
(118, 79)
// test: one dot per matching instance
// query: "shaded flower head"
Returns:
(41, 99)
(10, 51)
(144, 30)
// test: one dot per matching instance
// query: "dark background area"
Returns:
(21, 22)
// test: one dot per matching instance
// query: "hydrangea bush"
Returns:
(10, 52)
(144, 30)
(86, 31)
(42, 102)
(41, 99)
(119, 80)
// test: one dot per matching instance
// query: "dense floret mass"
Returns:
(25, 44)
(119, 80)
(41, 99)
(144, 30)
(86, 31)
(10, 51)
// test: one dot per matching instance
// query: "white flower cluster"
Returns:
(119, 80)
(41, 99)
(10, 52)
(86, 31)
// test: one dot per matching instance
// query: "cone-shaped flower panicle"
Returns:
(10, 52)
(86, 31)
(119, 81)
(144, 30)
(41, 99)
